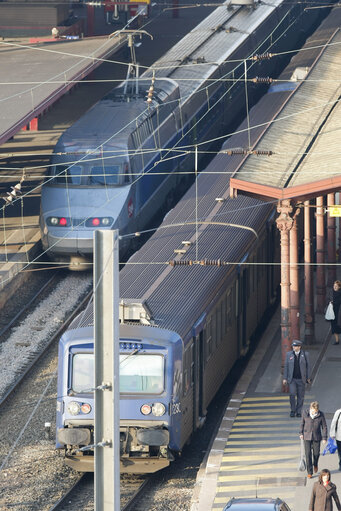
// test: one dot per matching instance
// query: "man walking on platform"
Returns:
(297, 374)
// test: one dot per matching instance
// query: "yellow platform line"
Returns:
(266, 398)
(247, 415)
(255, 457)
(234, 435)
(248, 487)
(259, 422)
(260, 467)
(262, 449)
(250, 477)
(281, 405)
(264, 442)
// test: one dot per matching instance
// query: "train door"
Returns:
(198, 373)
(242, 293)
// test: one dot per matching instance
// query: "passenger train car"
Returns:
(122, 161)
(192, 299)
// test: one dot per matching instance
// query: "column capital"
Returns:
(284, 221)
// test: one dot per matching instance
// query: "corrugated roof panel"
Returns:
(299, 122)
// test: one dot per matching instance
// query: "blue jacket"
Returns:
(289, 366)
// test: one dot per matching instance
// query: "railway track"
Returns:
(28, 334)
(81, 494)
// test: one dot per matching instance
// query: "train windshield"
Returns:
(64, 174)
(105, 175)
(139, 374)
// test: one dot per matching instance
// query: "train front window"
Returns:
(66, 175)
(139, 374)
(83, 372)
(105, 175)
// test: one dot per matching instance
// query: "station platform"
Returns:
(256, 449)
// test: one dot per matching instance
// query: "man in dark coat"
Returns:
(297, 374)
(313, 429)
(323, 493)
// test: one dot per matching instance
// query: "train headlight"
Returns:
(158, 409)
(85, 408)
(105, 221)
(146, 409)
(54, 220)
(73, 408)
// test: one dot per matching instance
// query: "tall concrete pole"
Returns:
(107, 397)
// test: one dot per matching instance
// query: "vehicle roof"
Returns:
(111, 120)
(81, 330)
(249, 504)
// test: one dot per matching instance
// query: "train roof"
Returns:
(215, 40)
(81, 330)
(110, 122)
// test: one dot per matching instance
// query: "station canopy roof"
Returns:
(304, 138)
(33, 76)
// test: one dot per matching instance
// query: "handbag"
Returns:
(330, 315)
(302, 464)
(330, 447)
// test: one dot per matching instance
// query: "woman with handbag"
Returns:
(335, 432)
(336, 329)
(313, 430)
(323, 493)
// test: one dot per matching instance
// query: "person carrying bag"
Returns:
(302, 466)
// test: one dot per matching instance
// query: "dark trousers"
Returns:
(296, 390)
(338, 443)
(311, 446)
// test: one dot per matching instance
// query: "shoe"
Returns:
(298, 415)
(292, 414)
(335, 343)
(315, 469)
(309, 476)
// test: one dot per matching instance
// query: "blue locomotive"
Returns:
(150, 383)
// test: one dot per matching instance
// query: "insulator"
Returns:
(17, 187)
(260, 79)
(260, 152)
(149, 100)
(232, 152)
(262, 56)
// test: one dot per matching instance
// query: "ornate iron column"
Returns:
(309, 316)
(294, 280)
(284, 224)
(320, 270)
(331, 241)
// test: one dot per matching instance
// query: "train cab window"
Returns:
(141, 374)
(82, 372)
(138, 373)
(105, 175)
(64, 174)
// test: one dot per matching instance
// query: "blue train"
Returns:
(183, 324)
(118, 165)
